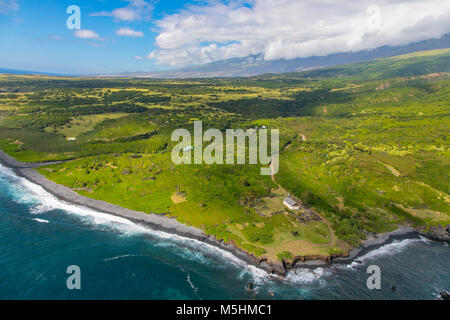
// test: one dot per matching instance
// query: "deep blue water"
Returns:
(41, 236)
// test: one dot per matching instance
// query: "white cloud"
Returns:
(129, 32)
(86, 34)
(288, 29)
(125, 14)
(8, 6)
(136, 10)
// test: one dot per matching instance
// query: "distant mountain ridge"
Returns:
(26, 72)
(256, 65)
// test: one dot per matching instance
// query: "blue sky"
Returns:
(146, 35)
(35, 37)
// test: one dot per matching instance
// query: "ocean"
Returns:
(40, 237)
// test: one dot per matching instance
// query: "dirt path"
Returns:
(397, 173)
(290, 142)
(323, 219)
(272, 176)
(394, 171)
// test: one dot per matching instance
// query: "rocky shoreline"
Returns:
(170, 225)
(153, 221)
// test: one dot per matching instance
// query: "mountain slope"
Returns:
(25, 72)
(256, 65)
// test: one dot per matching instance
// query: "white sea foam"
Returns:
(305, 275)
(47, 202)
(120, 257)
(188, 279)
(200, 251)
(41, 220)
(390, 249)
(423, 239)
(5, 170)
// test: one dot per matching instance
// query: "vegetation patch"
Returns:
(364, 146)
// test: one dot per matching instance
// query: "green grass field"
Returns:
(364, 145)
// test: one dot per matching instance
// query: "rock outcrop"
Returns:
(438, 232)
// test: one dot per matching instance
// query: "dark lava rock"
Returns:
(445, 295)
(439, 232)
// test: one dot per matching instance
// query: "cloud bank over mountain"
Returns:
(289, 29)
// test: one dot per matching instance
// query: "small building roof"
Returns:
(290, 201)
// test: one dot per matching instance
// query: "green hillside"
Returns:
(364, 145)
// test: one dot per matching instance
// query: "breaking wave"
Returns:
(41, 201)
(306, 276)
(390, 249)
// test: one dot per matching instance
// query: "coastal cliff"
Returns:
(438, 232)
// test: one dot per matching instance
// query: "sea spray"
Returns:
(306, 275)
(393, 248)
